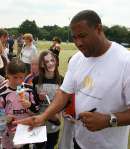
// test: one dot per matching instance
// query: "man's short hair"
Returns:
(3, 32)
(90, 16)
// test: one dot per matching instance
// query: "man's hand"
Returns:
(33, 121)
(94, 121)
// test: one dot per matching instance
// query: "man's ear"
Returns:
(99, 28)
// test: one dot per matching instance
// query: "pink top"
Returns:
(10, 101)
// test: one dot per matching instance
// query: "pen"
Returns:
(48, 99)
(92, 110)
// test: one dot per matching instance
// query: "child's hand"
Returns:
(42, 96)
(25, 102)
(10, 119)
(11, 126)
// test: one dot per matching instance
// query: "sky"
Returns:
(60, 12)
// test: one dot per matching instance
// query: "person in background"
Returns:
(34, 70)
(55, 47)
(11, 43)
(3, 62)
(45, 85)
(28, 51)
(20, 43)
(16, 105)
(101, 83)
(3, 40)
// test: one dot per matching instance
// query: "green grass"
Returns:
(44, 45)
(64, 56)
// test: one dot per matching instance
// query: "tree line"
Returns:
(116, 33)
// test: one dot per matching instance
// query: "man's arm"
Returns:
(60, 100)
(123, 118)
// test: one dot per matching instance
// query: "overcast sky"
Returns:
(60, 12)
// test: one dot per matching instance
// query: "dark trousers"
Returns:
(76, 146)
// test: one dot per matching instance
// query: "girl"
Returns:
(28, 51)
(45, 86)
(15, 105)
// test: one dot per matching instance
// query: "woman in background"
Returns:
(28, 51)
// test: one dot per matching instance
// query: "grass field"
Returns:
(68, 50)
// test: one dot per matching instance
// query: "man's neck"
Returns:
(104, 46)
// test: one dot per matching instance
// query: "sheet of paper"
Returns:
(23, 136)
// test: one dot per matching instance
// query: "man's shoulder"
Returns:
(119, 51)
(75, 59)
(121, 54)
(76, 56)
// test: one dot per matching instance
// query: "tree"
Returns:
(118, 33)
(29, 27)
(12, 31)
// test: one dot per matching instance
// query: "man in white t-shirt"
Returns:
(101, 82)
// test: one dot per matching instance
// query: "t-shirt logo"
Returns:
(88, 82)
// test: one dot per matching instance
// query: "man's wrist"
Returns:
(107, 120)
(113, 120)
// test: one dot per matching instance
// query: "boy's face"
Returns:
(34, 66)
(16, 79)
(27, 41)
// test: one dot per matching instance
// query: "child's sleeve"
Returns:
(2, 102)
(34, 107)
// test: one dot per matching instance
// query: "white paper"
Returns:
(24, 136)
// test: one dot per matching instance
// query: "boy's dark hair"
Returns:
(16, 66)
(90, 16)
(3, 32)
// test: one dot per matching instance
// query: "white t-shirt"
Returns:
(27, 53)
(102, 82)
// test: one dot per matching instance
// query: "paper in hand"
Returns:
(24, 136)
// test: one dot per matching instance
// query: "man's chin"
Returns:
(86, 54)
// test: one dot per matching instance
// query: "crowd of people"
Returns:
(93, 98)
(40, 75)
